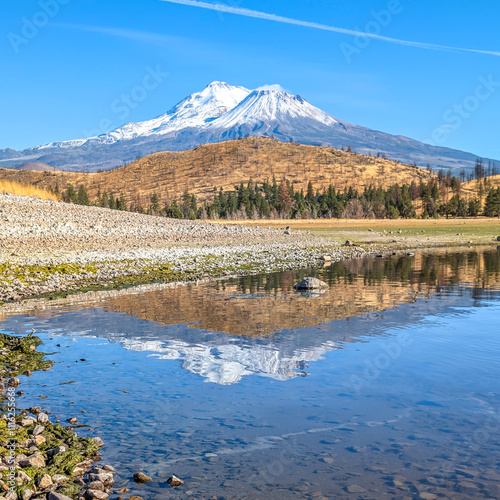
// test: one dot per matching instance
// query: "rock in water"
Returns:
(98, 441)
(175, 481)
(13, 382)
(57, 496)
(140, 477)
(311, 284)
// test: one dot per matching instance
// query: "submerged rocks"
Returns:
(311, 284)
(140, 477)
(13, 382)
(99, 482)
(45, 471)
(174, 481)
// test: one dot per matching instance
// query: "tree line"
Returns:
(272, 200)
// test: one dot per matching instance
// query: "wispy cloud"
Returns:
(239, 11)
(201, 51)
(128, 34)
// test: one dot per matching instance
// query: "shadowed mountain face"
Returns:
(229, 329)
(222, 112)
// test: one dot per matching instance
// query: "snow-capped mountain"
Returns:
(197, 110)
(268, 107)
(222, 112)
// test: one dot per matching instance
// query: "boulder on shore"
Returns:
(311, 284)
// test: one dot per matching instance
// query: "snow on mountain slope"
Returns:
(196, 110)
(218, 106)
(75, 143)
(269, 106)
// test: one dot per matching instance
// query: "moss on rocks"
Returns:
(63, 452)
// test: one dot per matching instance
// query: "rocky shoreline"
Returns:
(50, 249)
(40, 458)
(55, 254)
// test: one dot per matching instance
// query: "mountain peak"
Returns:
(279, 94)
(218, 84)
(267, 108)
(222, 111)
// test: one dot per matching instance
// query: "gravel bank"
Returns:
(47, 228)
(51, 249)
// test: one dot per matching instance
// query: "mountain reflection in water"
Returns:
(356, 287)
(225, 330)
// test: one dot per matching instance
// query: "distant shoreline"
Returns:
(51, 250)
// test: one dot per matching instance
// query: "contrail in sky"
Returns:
(287, 20)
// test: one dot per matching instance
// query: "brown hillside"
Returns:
(36, 165)
(471, 187)
(227, 164)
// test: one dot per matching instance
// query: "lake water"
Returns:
(384, 386)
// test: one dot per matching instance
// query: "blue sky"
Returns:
(66, 64)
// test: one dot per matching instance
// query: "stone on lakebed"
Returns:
(174, 481)
(311, 284)
(140, 477)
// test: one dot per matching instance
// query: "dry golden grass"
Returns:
(471, 188)
(12, 187)
(226, 165)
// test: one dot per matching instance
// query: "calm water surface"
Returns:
(385, 386)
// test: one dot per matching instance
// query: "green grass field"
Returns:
(454, 231)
